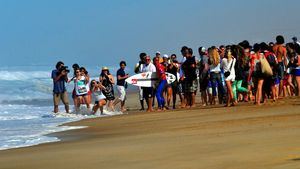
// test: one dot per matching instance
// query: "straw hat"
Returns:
(104, 68)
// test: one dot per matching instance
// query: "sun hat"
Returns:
(104, 68)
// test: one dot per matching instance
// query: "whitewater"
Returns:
(26, 107)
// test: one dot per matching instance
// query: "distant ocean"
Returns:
(26, 106)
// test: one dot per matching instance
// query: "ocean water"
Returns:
(26, 106)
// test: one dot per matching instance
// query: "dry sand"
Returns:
(240, 137)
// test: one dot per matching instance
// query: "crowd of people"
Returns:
(223, 75)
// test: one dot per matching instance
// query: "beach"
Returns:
(245, 136)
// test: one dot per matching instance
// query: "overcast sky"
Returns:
(103, 32)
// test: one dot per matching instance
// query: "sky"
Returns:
(103, 32)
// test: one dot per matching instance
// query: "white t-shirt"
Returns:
(226, 66)
(80, 87)
(149, 68)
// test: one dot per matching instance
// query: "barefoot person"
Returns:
(121, 77)
(107, 80)
(60, 77)
(100, 99)
(148, 91)
(81, 82)
(160, 70)
(228, 63)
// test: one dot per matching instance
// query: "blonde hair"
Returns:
(214, 56)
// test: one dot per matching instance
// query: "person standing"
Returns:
(148, 91)
(281, 54)
(81, 82)
(60, 77)
(203, 74)
(190, 83)
(107, 80)
(161, 74)
(173, 68)
(138, 69)
(228, 63)
(121, 86)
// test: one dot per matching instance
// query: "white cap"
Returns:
(165, 56)
(157, 52)
(203, 49)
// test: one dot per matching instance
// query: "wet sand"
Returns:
(245, 136)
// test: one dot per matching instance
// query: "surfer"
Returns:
(60, 77)
(160, 70)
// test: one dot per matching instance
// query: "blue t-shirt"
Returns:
(58, 86)
(121, 73)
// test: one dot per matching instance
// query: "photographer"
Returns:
(107, 80)
(60, 77)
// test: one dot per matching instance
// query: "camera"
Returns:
(64, 68)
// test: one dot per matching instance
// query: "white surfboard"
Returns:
(148, 79)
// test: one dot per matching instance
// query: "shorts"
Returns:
(141, 96)
(230, 78)
(281, 70)
(60, 96)
(122, 92)
(296, 72)
(148, 92)
(190, 86)
(180, 89)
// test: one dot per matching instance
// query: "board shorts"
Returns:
(60, 96)
(190, 86)
(148, 92)
(122, 92)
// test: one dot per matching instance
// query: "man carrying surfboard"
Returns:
(148, 91)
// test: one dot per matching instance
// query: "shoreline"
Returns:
(215, 137)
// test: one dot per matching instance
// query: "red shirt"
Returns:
(160, 70)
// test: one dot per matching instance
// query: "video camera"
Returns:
(63, 68)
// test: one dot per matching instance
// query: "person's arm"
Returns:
(56, 77)
(101, 87)
(111, 79)
(87, 79)
(119, 77)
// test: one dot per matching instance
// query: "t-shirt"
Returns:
(189, 69)
(58, 86)
(121, 73)
(149, 68)
(81, 87)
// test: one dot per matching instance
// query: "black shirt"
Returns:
(189, 69)
(121, 73)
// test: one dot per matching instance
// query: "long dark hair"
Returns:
(102, 73)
